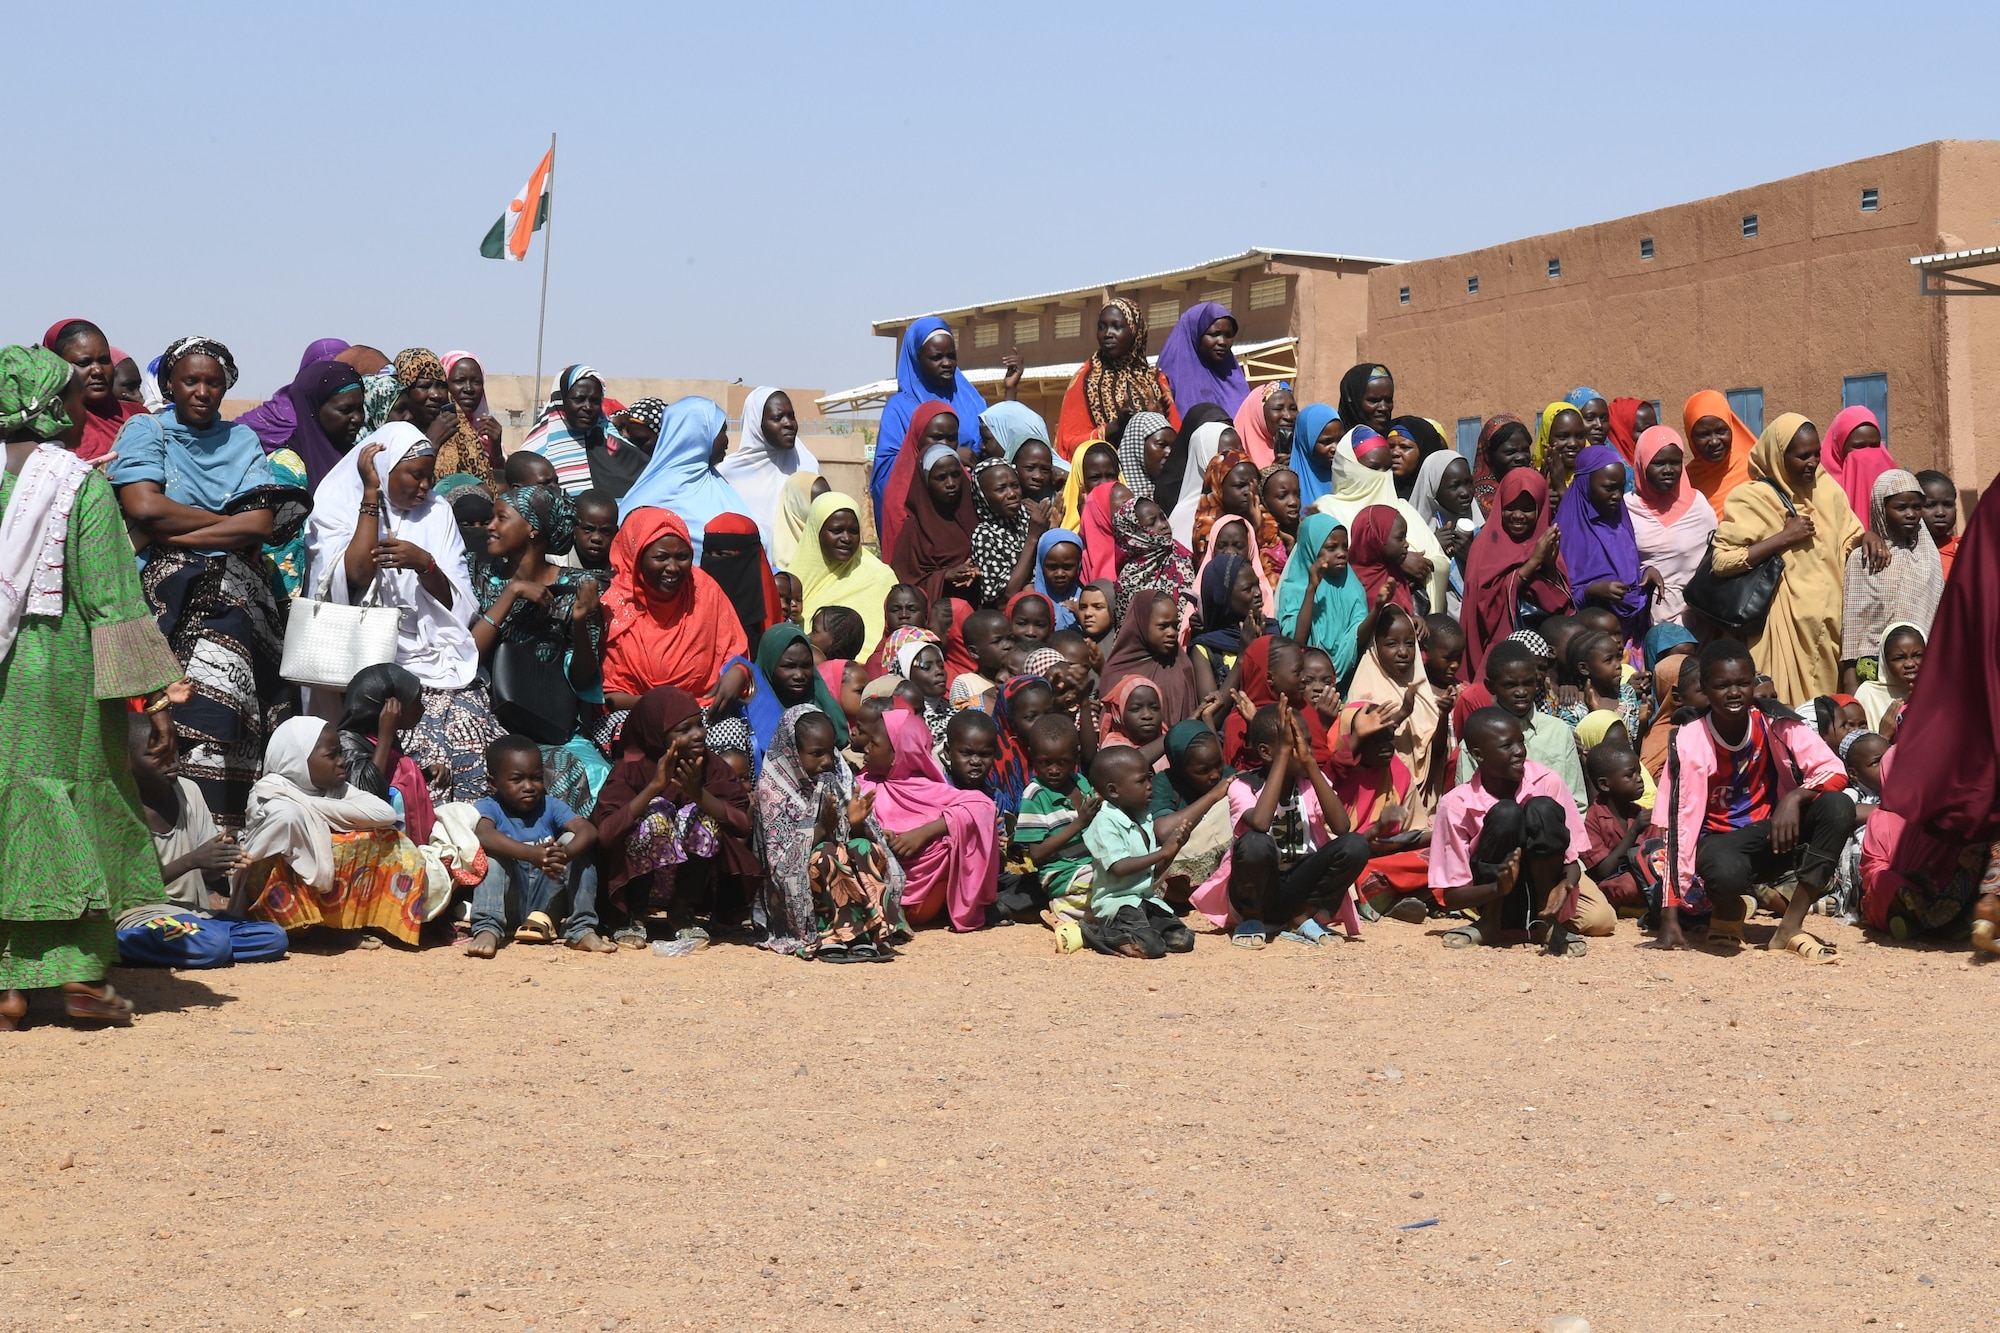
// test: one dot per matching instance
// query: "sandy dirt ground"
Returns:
(984, 1132)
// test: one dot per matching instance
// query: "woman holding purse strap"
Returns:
(376, 521)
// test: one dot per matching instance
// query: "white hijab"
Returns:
(1423, 498)
(1356, 486)
(758, 466)
(290, 818)
(434, 643)
(1203, 446)
(33, 535)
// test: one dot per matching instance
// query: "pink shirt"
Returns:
(1462, 813)
(1211, 898)
(1701, 762)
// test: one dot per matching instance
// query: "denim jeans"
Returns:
(512, 889)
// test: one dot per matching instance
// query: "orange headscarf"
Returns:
(682, 640)
(1717, 480)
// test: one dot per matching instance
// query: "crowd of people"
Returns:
(1202, 655)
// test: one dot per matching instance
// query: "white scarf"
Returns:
(33, 535)
(758, 467)
(434, 644)
(290, 818)
(1203, 447)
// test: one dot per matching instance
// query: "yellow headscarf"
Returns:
(1557, 485)
(1592, 730)
(1072, 492)
(795, 499)
(862, 583)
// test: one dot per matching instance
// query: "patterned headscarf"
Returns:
(32, 380)
(647, 412)
(1132, 452)
(418, 363)
(996, 543)
(912, 637)
(198, 345)
(1533, 642)
(1112, 389)
(550, 511)
(379, 393)
(1148, 560)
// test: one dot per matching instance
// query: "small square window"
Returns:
(1646, 248)
(1402, 296)
(1028, 329)
(1472, 285)
(1069, 324)
(1749, 225)
(1555, 268)
(986, 335)
(1870, 200)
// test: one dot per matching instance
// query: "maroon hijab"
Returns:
(1172, 676)
(924, 543)
(1371, 527)
(1493, 591)
(644, 738)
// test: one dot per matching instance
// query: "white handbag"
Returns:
(328, 642)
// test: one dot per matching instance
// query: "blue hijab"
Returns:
(1339, 606)
(912, 393)
(678, 478)
(1065, 619)
(1315, 473)
(1013, 425)
(1582, 394)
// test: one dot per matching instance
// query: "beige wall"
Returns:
(1329, 317)
(1823, 291)
(507, 394)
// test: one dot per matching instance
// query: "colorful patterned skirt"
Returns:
(378, 882)
(457, 727)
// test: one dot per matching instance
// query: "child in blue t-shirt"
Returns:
(535, 847)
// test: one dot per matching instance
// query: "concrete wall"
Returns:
(514, 394)
(1329, 316)
(1823, 291)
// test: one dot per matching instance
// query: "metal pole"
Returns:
(549, 231)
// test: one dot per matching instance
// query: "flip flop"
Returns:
(537, 929)
(1249, 935)
(1410, 911)
(1069, 936)
(1462, 937)
(107, 1006)
(1813, 949)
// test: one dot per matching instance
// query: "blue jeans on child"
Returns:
(182, 939)
(512, 889)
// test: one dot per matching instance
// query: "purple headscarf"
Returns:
(1596, 548)
(305, 396)
(1190, 377)
(273, 420)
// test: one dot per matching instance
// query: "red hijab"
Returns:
(924, 543)
(958, 658)
(1100, 540)
(1625, 427)
(1365, 536)
(1253, 678)
(100, 425)
(1493, 592)
(680, 640)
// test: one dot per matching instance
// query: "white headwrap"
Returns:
(1203, 446)
(434, 644)
(758, 467)
(1423, 497)
(288, 817)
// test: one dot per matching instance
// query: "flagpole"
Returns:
(548, 233)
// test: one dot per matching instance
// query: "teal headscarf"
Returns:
(1339, 606)
(32, 380)
(1013, 425)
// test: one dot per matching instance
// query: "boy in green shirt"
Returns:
(1128, 918)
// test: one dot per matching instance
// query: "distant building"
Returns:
(1297, 316)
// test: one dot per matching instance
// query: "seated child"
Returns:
(1194, 790)
(922, 665)
(845, 679)
(944, 839)
(1376, 788)
(836, 632)
(182, 928)
(1506, 843)
(1604, 727)
(791, 596)
(1056, 807)
(535, 846)
(971, 748)
(1127, 916)
(1132, 716)
(1597, 668)
(1033, 615)
(1294, 858)
(1622, 857)
(830, 893)
(597, 527)
(1835, 715)
(382, 703)
(1862, 752)
(1515, 681)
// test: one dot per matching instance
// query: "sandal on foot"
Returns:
(1249, 935)
(1721, 930)
(1812, 948)
(485, 944)
(1560, 942)
(13, 1008)
(1462, 937)
(103, 1005)
(537, 929)
(592, 942)
(1410, 911)
(694, 934)
(1983, 937)
(630, 938)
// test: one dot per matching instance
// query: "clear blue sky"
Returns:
(741, 187)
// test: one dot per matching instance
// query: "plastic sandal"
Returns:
(1410, 911)
(1249, 935)
(105, 1005)
(1813, 949)
(1462, 937)
(537, 929)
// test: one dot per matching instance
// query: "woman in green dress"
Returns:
(76, 642)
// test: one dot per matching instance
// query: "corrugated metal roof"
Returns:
(880, 390)
(1146, 279)
(1989, 254)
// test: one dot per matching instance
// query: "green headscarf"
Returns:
(1339, 606)
(32, 380)
(765, 711)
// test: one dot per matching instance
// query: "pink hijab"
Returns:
(1856, 472)
(1256, 564)
(913, 793)
(1100, 544)
(1251, 430)
(1667, 510)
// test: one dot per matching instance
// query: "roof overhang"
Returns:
(1076, 295)
(1946, 274)
(1276, 358)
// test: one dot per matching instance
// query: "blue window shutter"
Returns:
(1871, 392)
(1468, 439)
(1748, 404)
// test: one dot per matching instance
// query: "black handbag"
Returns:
(1742, 603)
(531, 696)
